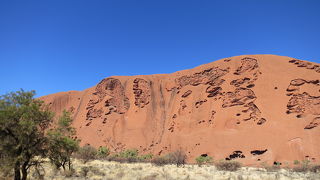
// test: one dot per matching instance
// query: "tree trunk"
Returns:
(17, 175)
(69, 164)
(24, 170)
(24, 174)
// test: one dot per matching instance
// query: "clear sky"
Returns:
(61, 45)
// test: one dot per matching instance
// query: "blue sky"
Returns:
(60, 45)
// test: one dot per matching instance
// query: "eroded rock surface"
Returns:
(313, 124)
(209, 76)
(240, 96)
(109, 93)
(247, 64)
(235, 108)
(186, 94)
(239, 82)
(305, 64)
(304, 103)
(141, 89)
(235, 154)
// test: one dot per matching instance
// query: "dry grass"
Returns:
(178, 158)
(228, 165)
(107, 170)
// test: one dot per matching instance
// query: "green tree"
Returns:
(61, 142)
(23, 123)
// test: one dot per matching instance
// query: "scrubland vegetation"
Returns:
(33, 147)
(111, 170)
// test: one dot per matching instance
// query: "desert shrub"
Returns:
(116, 158)
(228, 165)
(300, 169)
(69, 173)
(203, 160)
(315, 168)
(86, 153)
(84, 171)
(96, 171)
(178, 158)
(113, 157)
(129, 153)
(103, 152)
(272, 168)
(129, 156)
(296, 162)
(304, 167)
(160, 161)
(145, 157)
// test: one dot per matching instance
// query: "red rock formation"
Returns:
(141, 89)
(252, 108)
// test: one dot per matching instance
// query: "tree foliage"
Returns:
(62, 143)
(23, 123)
(25, 137)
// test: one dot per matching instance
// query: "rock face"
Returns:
(251, 108)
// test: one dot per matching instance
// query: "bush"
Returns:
(103, 152)
(69, 173)
(304, 167)
(94, 170)
(203, 159)
(84, 171)
(87, 153)
(228, 165)
(145, 157)
(129, 153)
(300, 169)
(178, 158)
(160, 161)
(315, 168)
(296, 162)
(129, 156)
(269, 168)
(272, 168)
(116, 158)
